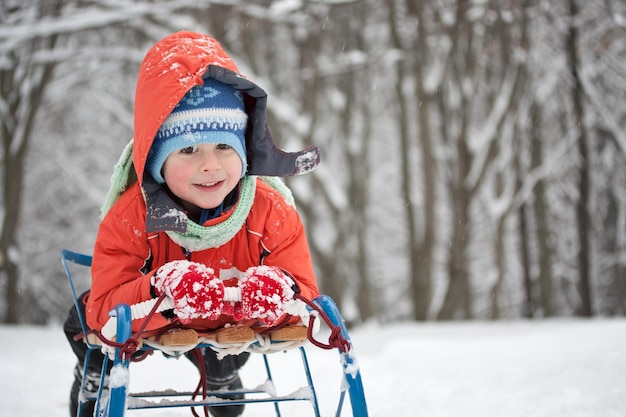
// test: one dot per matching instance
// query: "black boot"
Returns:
(231, 385)
(92, 383)
(223, 375)
(73, 328)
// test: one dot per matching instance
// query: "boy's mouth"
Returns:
(209, 184)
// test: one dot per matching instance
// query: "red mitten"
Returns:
(196, 291)
(265, 293)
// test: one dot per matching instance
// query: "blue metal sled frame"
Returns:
(120, 399)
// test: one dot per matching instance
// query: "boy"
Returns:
(188, 213)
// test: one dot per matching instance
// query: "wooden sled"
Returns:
(118, 401)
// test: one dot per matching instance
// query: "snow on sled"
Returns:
(117, 400)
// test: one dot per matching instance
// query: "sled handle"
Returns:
(349, 363)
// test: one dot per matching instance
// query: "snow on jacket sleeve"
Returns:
(119, 261)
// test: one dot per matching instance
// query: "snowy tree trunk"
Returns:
(415, 136)
(22, 86)
(528, 305)
(404, 171)
(457, 302)
(582, 213)
(423, 278)
(543, 236)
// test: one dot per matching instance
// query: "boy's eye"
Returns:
(189, 149)
(223, 146)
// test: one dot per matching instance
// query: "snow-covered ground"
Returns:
(568, 368)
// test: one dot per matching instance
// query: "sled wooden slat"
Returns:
(289, 333)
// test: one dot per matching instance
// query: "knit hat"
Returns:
(209, 113)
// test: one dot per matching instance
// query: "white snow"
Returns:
(568, 368)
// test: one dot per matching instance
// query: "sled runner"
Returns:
(116, 398)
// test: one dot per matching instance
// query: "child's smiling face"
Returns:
(202, 175)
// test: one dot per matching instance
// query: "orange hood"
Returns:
(180, 62)
(171, 67)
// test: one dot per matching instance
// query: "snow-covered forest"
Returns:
(473, 152)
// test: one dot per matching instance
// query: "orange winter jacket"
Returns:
(134, 238)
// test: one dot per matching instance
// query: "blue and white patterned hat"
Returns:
(209, 113)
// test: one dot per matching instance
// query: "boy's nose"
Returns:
(209, 160)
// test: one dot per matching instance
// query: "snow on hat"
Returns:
(209, 113)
